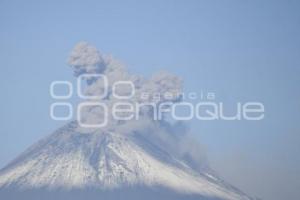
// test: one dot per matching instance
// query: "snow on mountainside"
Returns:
(70, 160)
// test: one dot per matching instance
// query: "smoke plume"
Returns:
(173, 136)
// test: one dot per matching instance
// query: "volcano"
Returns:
(69, 164)
(128, 159)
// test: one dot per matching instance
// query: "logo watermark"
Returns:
(125, 107)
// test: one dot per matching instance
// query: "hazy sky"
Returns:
(240, 50)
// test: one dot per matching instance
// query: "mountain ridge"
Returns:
(72, 161)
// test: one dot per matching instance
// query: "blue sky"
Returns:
(241, 50)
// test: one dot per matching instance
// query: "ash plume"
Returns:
(174, 137)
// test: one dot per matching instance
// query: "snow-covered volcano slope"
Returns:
(106, 162)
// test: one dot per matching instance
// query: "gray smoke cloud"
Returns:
(86, 59)
(173, 136)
